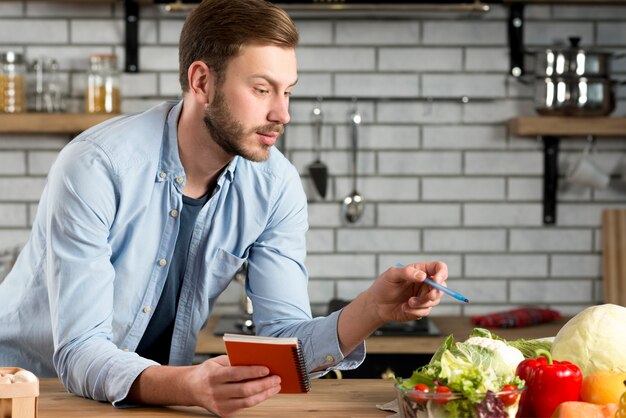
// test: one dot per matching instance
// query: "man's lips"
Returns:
(269, 137)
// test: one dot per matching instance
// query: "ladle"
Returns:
(317, 169)
(354, 204)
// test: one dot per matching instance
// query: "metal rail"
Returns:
(338, 6)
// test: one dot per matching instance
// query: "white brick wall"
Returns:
(442, 179)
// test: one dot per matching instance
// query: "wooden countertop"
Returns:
(460, 327)
(328, 397)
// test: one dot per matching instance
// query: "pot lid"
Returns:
(575, 48)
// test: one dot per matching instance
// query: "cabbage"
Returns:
(594, 340)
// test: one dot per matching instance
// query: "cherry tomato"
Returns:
(443, 394)
(420, 398)
(508, 399)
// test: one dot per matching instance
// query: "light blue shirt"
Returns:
(82, 291)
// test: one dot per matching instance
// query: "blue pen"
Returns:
(444, 289)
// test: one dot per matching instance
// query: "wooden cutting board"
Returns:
(614, 255)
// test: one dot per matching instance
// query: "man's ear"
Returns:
(201, 82)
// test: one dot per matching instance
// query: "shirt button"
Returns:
(125, 350)
(162, 174)
(173, 213)
(179, 180)
(146, 309)
(329, 358)
(162, 262)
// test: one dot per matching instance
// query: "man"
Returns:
(146, 218)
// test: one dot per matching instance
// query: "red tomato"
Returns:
(420, 398)
(508, 399)
(442, 398)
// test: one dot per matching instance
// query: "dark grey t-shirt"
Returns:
(156, 341)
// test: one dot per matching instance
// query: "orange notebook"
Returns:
(282, 355)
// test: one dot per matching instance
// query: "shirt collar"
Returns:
(170, 166)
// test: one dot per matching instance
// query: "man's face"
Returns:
(250, 107)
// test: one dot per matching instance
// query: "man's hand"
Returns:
(397, 295)
(227, 389)
(213, 385)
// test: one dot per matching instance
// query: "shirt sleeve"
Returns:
(278, 283)
(322, 350)
(81, 206)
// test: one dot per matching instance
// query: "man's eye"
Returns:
(262, 91)
(288, 94)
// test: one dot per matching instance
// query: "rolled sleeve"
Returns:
(122, 376)
(322, 347)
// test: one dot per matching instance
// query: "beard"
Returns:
(230, 135)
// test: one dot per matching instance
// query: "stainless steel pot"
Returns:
(574, 96)
(572, 61)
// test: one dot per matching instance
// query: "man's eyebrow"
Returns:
(271, 80)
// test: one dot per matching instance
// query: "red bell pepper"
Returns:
(548, 383)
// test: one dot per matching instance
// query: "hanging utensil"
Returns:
(354, 204)
(317, 169)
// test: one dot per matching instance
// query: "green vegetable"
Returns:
(527, 347)
(506, 357)
(473, 368)
(594, 339)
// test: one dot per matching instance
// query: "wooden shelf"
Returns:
(567, 126)
(46, 123)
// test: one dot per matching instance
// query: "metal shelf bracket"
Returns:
(516, 39)
(550, 178)
(131, 63)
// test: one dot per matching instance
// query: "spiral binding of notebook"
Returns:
(303, 376)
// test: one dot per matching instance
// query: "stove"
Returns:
(422, 328)
(425, 327)
(242, 324)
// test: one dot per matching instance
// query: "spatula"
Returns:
(317, 169)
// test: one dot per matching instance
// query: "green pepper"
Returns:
(548, 384)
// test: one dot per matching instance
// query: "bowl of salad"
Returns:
(474, 378)
(440, 401)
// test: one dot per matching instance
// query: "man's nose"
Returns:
(279, 113)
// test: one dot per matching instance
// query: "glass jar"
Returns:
(12, 82)
(103, 85)
(44, 86)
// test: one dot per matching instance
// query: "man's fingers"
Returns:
(252, 388)
(415, 312)
(438, 270)
(221, 360)
(238, 374)
(227, 407)
(427, 300)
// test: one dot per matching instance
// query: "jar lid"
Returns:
(12, 57)
(103, 58)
